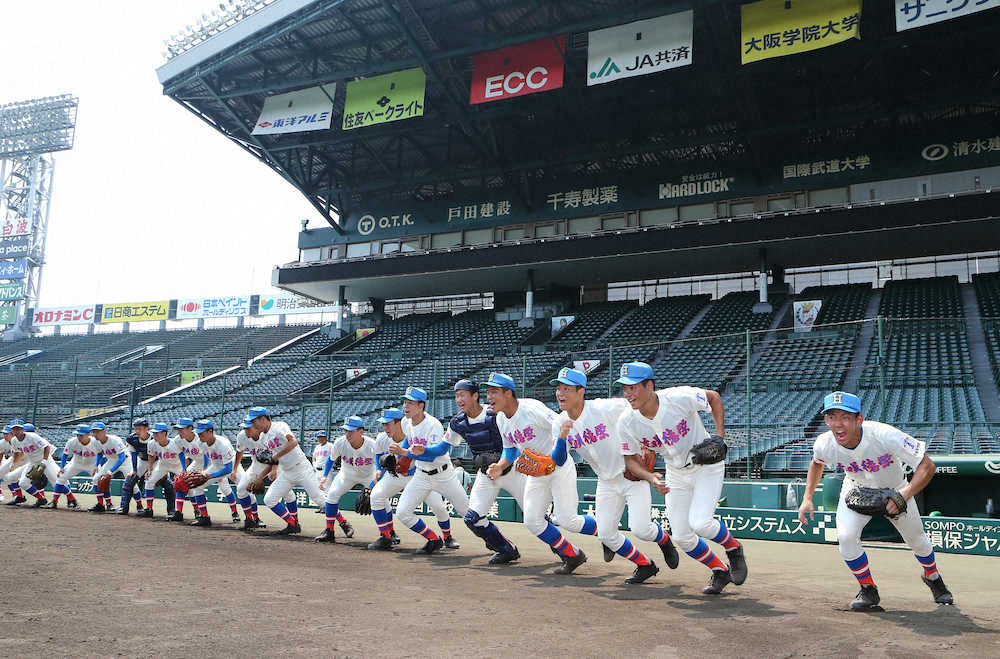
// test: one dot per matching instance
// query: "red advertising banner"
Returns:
(518, 70)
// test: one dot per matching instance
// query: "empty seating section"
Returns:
(394, 334)
(498, 337)
(988, 297)
(808, 360)
(661, 319)
(842, 303)
(591, 320)
(701, 362)
(438, 337)
(733, 314)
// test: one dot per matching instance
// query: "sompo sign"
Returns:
(524, 69)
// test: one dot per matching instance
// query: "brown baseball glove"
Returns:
(195, 478)
(648, 459)
(257, 486)
(104, 483)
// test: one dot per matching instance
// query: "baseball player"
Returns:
(194, 455)
(111, 456)
(872, 454)
(11, 462)
(246, 444)
(36, 450)
(165, 461)
(526, 425)
(388, 482)
(356, 453)
(667, 422)
(427, 445)
(294, 469)
(138, 456)
(319, 455)
(219, 457)
(589, 427)
(81, 451)
(478, 427)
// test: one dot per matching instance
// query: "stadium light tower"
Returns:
(30, 132)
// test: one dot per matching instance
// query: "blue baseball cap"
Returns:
(467, 385)
(634, 373)
(204, 424)
(30, 427)
(415, 394)
(841, 400)
(390, 414)
(321, 433)
(98, 426)
(184, 422)
(256, 412)
(6, 429)
(247, 422)
(82, 429)
(570, 376)
(17, 423)
(160, 427)
(353, 423)
(140, 422)
(501, 380)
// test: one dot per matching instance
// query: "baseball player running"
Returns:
(136, 446)
(356, 453)
(37, 456)
(219, 457)
(531, 447)
(165, 462)
(667, 422)
(10, 467)
(873, 455)
(478, 427)
(111, 456)
(427, 445)
(280, 447)
(81, 452)
(590, 427)
(391, 476)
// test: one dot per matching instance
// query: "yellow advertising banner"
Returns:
(135, 312)
(773, 28)
(384, 98)
(362, 333)
(187, 377)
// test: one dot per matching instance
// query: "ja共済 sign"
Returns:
(640, 48)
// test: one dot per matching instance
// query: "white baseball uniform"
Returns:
(877, 461)
(484, 489)
(357, 466)
(194, 456)
(166, 460)
(694, 489)
(250, 448)
(531, 427)
(391, 484)
(294, 469)
(436, 475)
(320, 453)
(33, 446)
(83, 459)
(7, 457)
(112, 447)
(219, 454)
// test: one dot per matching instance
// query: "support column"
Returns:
(529, 302)
(342, 302)
(763, 306)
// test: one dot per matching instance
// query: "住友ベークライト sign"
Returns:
(381, 99)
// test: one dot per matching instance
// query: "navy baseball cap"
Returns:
(98, 426)
(184, 422)
(353, 423)
(247, 422)
(570, 376)
(140, 422)
(415, 394)
(467, 385)
(160, 427)
(390, 414)
(634, 373)
(501, 380)
(82, 429)
(204, 424)
(841, 400)
(321, 433)
(256, 412)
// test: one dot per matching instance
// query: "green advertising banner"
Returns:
(8, 315)
(384, 98)
(12, 291)
(187, 377)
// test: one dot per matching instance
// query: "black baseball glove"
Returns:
(872, 501)
(388, 463)
(265, 457)
(363, 505)
(710, 451)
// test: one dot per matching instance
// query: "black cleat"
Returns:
(290, 529)
(643, 572)
(393, 537)
(53, 504)
(328, 535)
(719, 580)
(347, 529)
(570, 563)
(122, 511)
(609, 553)
(176, 516)
(201, 521)
(145, 513)
(15, 501)
(504, 557)
(670, 556)
(39, 502)
(236, 518)
(96, 508)
(450, 543)
(866, 599)
(737, 565)
(383, 543)
(249, 524)
(940, 591)
(430, 547)
(72, 503)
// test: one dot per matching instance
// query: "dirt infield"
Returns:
(78, 584)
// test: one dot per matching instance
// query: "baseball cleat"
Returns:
(145, 513)
(570, 563)
(609, 553)
(737, 565)
(96, 508)
(347, 529)
(176, 516)
(72, 503)
(383, 543)
(670, 556)
(643, 572)
(236, 518)
(866, 599)
(39, 502)
(290, 529)
(201, 521)
(394, 537)
(328, 535)
(940, 591)
(450, 543)
(430, 546)
(53, 504)
(14, 502)
(121, 511)
(504, 557)
(719, 580)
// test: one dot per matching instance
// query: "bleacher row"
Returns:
(927, 368)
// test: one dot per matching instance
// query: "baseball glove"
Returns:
(648, 459)
(104, 483)
(265, 457)
(403, 465)
(363, 504)
(195, 478)
(337, 463)
(533, 463)
(388, 463)
(257, 486)
(710, 451)
(872, 501)
(36, 473)
(483, 460)
(180, 484)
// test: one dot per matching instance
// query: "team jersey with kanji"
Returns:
(84, 454)
(247, 444)
(358, 463)
(112, 446)
(32, 446)
(193, 450)
(382, 444)
(877, 460)
(427, 433)
(674, 429)
(167, 457)
(593, 435)
(6, 449)
(320, 453)
(219, 453)
(530, 427)
(275, 439)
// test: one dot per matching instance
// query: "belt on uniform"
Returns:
(440, 469)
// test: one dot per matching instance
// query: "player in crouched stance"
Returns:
(667, 422)
(872, 454)
(357, 467)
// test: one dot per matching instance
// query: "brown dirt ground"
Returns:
(78, 584)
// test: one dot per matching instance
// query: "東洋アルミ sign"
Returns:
(527, 68)
(640, 48)
(296, 112)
